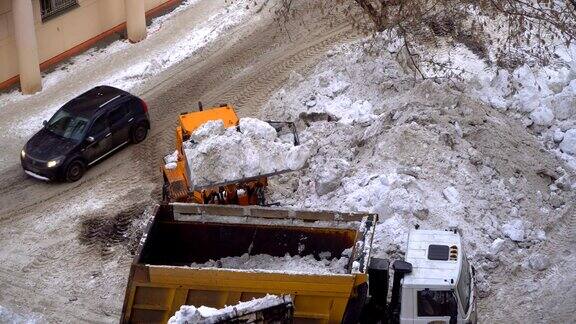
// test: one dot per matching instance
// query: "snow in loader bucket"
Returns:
(218, 156)
(214, 255)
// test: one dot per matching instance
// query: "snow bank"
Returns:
(544, 97)
(307, 264)
(428, 153)
(192, 314)
(216, 155)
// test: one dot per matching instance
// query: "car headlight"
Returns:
(53, 163)
(23, 154)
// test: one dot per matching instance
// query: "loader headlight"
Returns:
(23, 154)
(53, 163)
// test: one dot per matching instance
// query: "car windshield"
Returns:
(464, 285)
(64, 124)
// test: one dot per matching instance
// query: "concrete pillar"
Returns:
(27, 47)
(135, 20)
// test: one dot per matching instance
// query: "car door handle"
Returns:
(108, 135)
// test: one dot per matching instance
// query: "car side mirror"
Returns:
(45, 123)
(90, 139)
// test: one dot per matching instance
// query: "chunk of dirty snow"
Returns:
(514, 229)
(210, 128)
(234, 153)
(360, 111)
(292, 264)
(451, 194)
(539, 262)
(558, 136)
(171, 157)
(170, 160)
(540, 235)
(297, 156)
(497, 246)
(310, 103)
(542, 116)
(192, 314)
(171, 165)
(568, 144)
(330, 177)
(257, 129)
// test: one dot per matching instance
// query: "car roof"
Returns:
(89, 103)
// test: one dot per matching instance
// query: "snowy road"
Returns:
(65, 247)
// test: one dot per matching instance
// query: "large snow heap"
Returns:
(441, 154)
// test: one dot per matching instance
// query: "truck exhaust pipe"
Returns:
(401, 268)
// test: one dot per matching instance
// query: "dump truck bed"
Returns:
(161, 278)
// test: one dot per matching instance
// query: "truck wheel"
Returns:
(260, 195)
(139, 133)
(74, 171)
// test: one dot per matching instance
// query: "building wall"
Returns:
(62, 33)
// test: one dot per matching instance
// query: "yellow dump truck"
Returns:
(166, 273)
(182, 260)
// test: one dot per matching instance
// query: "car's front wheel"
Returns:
(139, 133)
(74, 171)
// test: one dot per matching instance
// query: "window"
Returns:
(98, 127)
(52, 8)
(67, 125)
(118, 114)
(436, 303)
(464, 285)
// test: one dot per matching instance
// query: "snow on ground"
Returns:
(145, 60)
(216, 154)
(8, 316)
(287, 264)
(191, 314)
(427, 153)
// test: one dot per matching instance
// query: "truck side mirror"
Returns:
(90, 139)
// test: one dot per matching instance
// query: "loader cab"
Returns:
(440, 287)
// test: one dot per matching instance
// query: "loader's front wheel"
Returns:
(260, 196)
(74, 171)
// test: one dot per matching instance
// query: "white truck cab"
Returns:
(440, 287)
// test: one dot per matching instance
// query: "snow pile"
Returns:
(192, 314)
(307, 264)
(216, 154)
(429, 153)
(543, 97)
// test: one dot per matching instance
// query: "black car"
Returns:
(84, 131)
